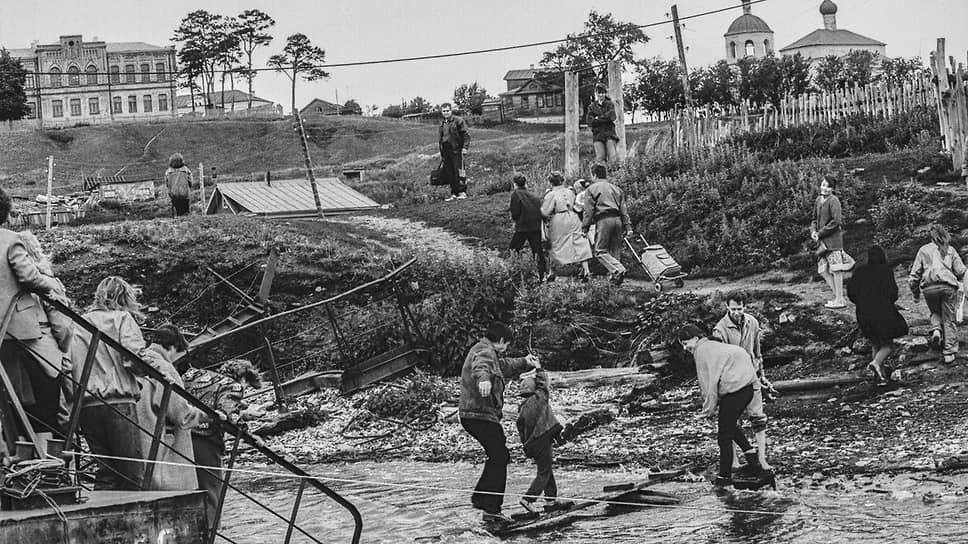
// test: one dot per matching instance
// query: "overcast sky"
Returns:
(352, 30)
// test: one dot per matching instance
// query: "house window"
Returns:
(539, 101)
(145, 73)
(115, 74)
(732, 50)
(160, 71)
(129, 73)
(766, 46)
(750, 48)
(55, 77)
(524, 102)
(29, 81)
(75, 107)
(132, 104)
(31, 110)
(147, 101)
(116, 104)
(558, 100)
(74, 76)
(57, 108)
(92, 75)
(93, 106)
(162, 102)
(549, 100)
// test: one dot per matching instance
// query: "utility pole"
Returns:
(50, 187)
(309, 166)
(572, 160)
(690, 128)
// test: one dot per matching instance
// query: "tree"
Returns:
(829, 74)
(394, 111)
(227, 52)
(191, 67)
(859, 67)
(895, 71)
(13, 98)
(657, 85)
(418, 105)
(371, 110)
(351, 107)
(470, 98)
(794, 75)
(300, 58)
(715, 85)
(251, 28)
(200, 45)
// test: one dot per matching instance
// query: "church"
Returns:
(750, 36)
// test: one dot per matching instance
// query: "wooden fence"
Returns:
(705, 126)
(951, 91)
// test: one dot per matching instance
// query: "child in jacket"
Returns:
(538, 428)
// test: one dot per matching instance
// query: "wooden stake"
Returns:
(690, 137)
(309, 165)
(50, 187)
(618, 100)
(572, 162)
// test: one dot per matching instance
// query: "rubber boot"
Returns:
(753, 466)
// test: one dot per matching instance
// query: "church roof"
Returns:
(831, 37)
(747, 23)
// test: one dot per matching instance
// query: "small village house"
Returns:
(319, 107)
(232, 100)
(529, 97)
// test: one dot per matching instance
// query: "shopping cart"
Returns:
(658, 264)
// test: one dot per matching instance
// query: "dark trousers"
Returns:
(179, 205)
(731, 406)
(533, 239)
(489, 491)
(544, 481)
(208, 453)
(108, 433)
(453, 162)
(47, 400)
(942, 301)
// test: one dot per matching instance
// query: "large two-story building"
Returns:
(75, 82)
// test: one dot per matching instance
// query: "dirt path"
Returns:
(415, 234)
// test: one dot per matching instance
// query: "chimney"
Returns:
(532, 66)
(746, 7)
(34, 43)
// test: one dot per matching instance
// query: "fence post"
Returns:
(572, 160)
(616, 94)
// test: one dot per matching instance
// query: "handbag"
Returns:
(437, 175)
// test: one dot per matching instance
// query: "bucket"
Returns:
(55, 447)
(25, 450)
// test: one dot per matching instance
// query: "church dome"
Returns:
(748, 23)
(828, 8)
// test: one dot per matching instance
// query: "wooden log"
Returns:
(597, 377)
(819, 382)
(572, 160)
(615, 92)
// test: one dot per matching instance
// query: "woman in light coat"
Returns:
(568, 244)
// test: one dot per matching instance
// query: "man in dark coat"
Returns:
(454, 142)
(178, 180)
(526, 213)
(600, 116)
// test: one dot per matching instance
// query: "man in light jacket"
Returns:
(726, 378)
(481, 402)
(605, 208)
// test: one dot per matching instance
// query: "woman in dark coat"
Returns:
(873, 290)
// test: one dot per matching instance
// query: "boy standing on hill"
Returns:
(482, 383)
(454, 142)
(538, 428)
(178, 180)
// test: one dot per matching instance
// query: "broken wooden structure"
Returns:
(951, 92)
(616, 498)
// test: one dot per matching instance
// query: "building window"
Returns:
(132, 104)
(93, 106)
(129, 73)
(160, 71)
(115, 74)
(31, 110)
(74, 76)
(116, 105)
(55, 77)
(539, 101)
(57, 108)
(147, 101)
(549, 100)
(162, 102)
(524, 102)
(750, 48)
(29, 81)
(766, 46)
(145, 73)
(75, 107)
(558, 100)
(732, 50)
(92, 75)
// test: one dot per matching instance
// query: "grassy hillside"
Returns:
(395, 153)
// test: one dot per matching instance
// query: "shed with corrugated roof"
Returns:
(289, 198)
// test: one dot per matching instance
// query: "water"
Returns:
(434, 512)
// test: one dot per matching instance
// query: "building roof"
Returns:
(527, 73)
(118, 47)
(328, 107)
(533, 87)
(288, 198)
(747, 23)
(237, 96)
(22, 53)
(823, 36)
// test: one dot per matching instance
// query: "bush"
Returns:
(60, 137)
